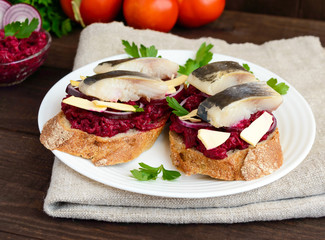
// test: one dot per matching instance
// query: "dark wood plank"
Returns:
(312, 9)
(288, 8)
(239, 27)
(19, 104)
(63, 50)
(305, 9)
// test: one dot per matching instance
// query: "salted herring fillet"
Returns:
(156, 67)
(217, 76)
(235, 103)
(123, 85)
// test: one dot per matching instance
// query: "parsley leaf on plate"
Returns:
(203, 57)
(178, 109)
(147, 172)
(21, 29)
(169, 174)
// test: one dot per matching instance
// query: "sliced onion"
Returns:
(181, 87)
(174, 95)
(19, 12)
(4, 6)
(196, 125)
(74, 91)
(273, 125)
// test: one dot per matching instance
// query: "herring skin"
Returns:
(123, 86)
(156, 67)
(235, 103)
(217, 76)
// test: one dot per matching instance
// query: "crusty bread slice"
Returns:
(123, 147)
(247, 164)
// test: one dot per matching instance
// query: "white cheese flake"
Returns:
(256, 130)
(211, 138)
(117, 106)
(190, 116)
(176, 81)
(83, 104)
(74, 83)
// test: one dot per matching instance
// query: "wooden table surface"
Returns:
(25, 165)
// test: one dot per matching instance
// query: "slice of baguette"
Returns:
(123, 147)
(247, 164)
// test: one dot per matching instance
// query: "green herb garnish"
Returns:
(53, 18)
(245, 65)
(178, 109)
(147, 172)
(138, 109)
(203, 57)
(281, 88)
(21, 29)
(143, 51)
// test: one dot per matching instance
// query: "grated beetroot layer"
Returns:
(233, 142)
(154, 116)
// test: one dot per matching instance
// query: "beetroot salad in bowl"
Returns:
(23, 44)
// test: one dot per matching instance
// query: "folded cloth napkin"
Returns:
(301, 193)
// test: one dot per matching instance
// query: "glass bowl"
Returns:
(15, 72)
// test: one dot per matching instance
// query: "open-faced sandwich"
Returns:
(114, 115)
(229, 132)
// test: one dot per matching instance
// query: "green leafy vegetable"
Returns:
(143, 51)
(178, 109)
(281, 88)
(21, 29)
(138, 109)
(147, 172)
(53, 18)
(245, 65)
(203, 57)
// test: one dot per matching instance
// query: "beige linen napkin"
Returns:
(301, 193)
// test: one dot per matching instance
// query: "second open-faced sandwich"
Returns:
(230, 132)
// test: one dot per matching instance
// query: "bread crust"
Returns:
(57, 134)
(247, 164)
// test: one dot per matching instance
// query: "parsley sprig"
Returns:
(53, 18)
(178, 109)
(245, 65)
(134, 51)
(21, 29)
(138, 109)
(203, 57)
(281, 88)
(147, 172)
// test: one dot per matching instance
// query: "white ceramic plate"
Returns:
(295, 121)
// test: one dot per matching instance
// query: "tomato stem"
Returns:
(76, 11)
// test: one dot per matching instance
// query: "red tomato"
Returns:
(67, 8)
(99, 10)
(196, 13)
(159, 15)
(92, 11)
